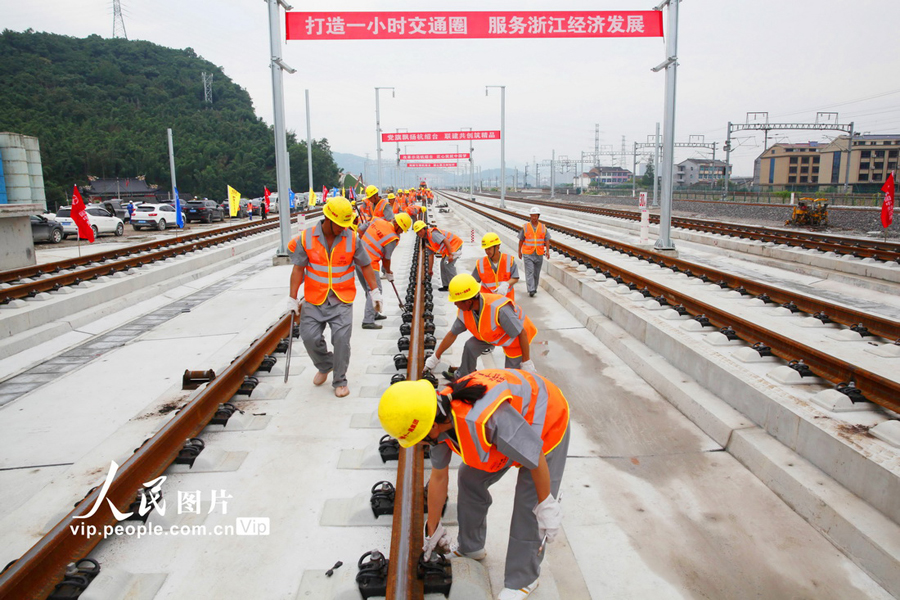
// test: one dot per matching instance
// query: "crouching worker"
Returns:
(492, 320)
(494, 420)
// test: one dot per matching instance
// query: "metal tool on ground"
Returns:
(398, 295)
(287, 355)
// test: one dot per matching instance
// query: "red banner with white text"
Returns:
(415, 25)
(434, 156)
(440, 136)
(435, 165)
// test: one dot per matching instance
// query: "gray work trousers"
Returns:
(523, 563)
(312, 327)
(533, 264)
(475, 348)
(448, 267)
(369, 316)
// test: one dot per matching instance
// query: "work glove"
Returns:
(528, 365)
(376, 299)
(549, 518)
(431, 362)
(503, 288)
(389, 276)
(439, 540)
(292, 305)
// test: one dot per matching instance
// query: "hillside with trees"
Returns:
(101, 107)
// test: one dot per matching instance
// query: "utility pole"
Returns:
(282, 164)
(309, 162)
(502, 141)
(378, 127)
(597, 145)
(670, 65)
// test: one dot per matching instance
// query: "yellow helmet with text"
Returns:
(371, 191)
(418, 226)
(407, 410)
(490, 240)
(404, 221)
(339, 211)
(462, 287)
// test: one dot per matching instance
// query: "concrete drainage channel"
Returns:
(846, 487)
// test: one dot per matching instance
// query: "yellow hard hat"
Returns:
(407, 410)
(490, 240)
(353, 203)
(339, 211)
(371, 191)
(418, 226)
(463, 287)
(424, 208)
(404, 221)
(391, 197)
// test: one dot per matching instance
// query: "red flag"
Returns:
(352, 194)
(267, 198)
(887, 209)
(79, 215)
(324, 194)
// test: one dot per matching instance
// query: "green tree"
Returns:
(647, 179)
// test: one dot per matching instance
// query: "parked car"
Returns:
(154, 216)
(115, 207)
(204, 211)
(45, 230)
(100, 219)
(242, 210)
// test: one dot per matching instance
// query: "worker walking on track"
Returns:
(497, 271)
(445, 243)
(324, 256)
(380, 237)
(534, 242)
(494, 420)
(493, 321)
(376, 207)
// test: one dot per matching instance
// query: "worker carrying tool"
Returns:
(534, 242)
(493, 321)
(324, 256)
(380, 237)
(497, 271)
(494, 420)
(445, 243)
(377, 207)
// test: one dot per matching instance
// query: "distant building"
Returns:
(813, 165)
(609, 175)
(131, 188)
(696, 170)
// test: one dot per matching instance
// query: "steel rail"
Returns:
(85, 273)
(858, 247)
(876, 325)
(876, 388)
(37, 572)
(407, 532)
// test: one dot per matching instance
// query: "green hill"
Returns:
(102, 106)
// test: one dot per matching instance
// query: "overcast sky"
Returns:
(790, 58)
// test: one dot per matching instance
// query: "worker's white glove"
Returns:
(503, 288)
(376, 299)
(549, 518)
(431, 362)
(292, 305)
(389, 276)
(528, 365)
(439, 540)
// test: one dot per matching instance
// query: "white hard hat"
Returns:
(535, 210)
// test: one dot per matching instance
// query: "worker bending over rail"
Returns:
(445, 243)
(534, 242)
(380, 237)
(324, 256)
(497, 271)
(376, 207)
(494, 420)
(493, 321)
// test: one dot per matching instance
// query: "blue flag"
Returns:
(179, 219)
(291, 197)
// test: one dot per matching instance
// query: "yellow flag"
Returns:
(234, 201)
(312, 198)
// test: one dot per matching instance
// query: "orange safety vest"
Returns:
(378, 234)
(490, 279)
(326, 273)
(534, 240)
(538, 400)
(451, 240)
(378, 210)
(488, 328)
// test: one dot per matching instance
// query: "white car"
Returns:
(154, 216)
(99, 218)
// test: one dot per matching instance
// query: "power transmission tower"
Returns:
(207, 86)
(118, 20)
(597, 144)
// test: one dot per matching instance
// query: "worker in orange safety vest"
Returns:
(497, 271)
(534, 243)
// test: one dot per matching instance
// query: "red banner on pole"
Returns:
(440, 136)
(79, 215)
(473, 25)
(434, 156)
(436, 165)
(887, 208)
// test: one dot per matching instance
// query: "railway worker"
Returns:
(493, 321)
(534, 242)
(324, 256)
(416, 211)
(494, 420)
(445, 243)
(380, 238)
(497, 271)
(376, 206)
